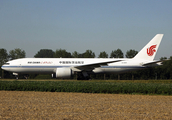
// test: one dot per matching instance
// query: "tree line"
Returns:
(62, 53)
(160, 72)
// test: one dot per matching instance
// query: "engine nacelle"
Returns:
(63, 73)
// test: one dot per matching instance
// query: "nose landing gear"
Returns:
(17, 76)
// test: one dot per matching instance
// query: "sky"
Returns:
(80, 25)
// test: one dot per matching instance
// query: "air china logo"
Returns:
(151, 50)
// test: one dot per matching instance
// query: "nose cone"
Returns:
(2, 67)
(5, 66)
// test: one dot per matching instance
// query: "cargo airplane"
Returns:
(66, 67)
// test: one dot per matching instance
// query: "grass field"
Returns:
(162, 87)
(113, 81)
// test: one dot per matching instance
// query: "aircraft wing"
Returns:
(89, 67)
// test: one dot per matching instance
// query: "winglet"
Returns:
(150, 50)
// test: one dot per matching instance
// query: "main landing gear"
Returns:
(83, 76)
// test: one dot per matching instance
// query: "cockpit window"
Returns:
(7, 64)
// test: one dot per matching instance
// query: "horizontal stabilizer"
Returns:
(152, 63)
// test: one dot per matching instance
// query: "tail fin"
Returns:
(149, 51)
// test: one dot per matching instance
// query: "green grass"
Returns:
(162, 87)
(112, 81)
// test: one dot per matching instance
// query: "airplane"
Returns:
(66, 67)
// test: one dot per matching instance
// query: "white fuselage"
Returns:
(49, 65)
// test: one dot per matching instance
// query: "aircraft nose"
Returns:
(2, 67)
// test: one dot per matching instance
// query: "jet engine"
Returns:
(63, 73)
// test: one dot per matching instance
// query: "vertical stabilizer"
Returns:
(150, 50)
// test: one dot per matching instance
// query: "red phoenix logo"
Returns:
(151, 50)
